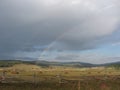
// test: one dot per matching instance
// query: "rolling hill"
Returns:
(9, 63)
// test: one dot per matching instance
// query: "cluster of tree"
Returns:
(8, 63)
(116, 66)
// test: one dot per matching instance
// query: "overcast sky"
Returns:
(60, 30)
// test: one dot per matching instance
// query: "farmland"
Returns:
(33, 77)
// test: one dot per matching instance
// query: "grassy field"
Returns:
(32, 77)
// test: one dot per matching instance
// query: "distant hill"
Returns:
(67, 64)
(9, 63)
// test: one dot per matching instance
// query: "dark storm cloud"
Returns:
(73, 24)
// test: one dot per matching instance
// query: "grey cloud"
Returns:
(67, 57)
(74, 26)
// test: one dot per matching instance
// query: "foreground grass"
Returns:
(74, 85)
(27, 77)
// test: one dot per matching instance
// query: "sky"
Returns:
(60, 30)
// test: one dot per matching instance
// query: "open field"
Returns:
(32, 77)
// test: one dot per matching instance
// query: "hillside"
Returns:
(9, 63)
